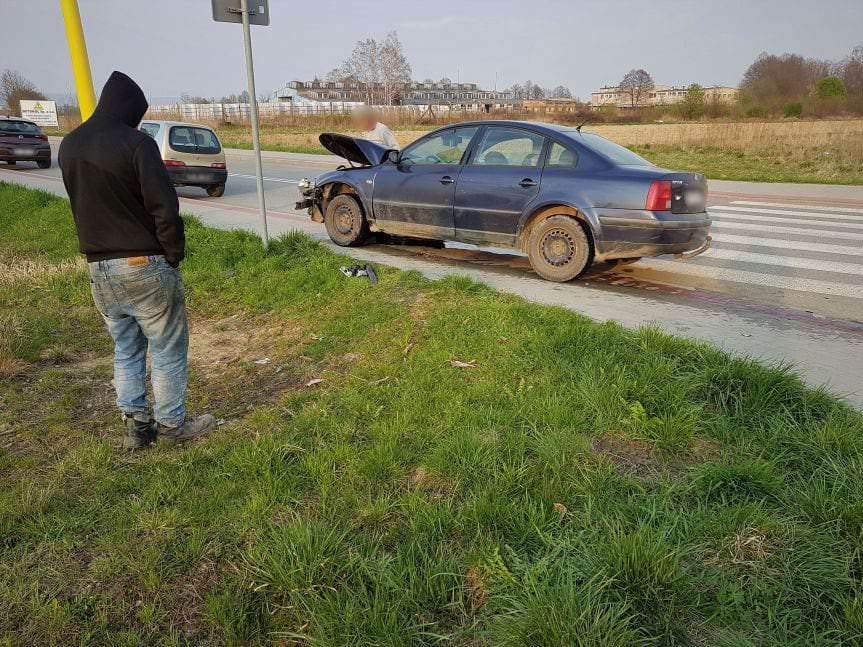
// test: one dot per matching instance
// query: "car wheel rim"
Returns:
(344, 220)
(558, 247)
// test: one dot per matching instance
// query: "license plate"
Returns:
(694, 199)
(198, 177)
(24, 151)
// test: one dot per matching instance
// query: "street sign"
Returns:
(42, 113)
(231, 11)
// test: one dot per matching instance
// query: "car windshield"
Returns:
(615, 152)
(10, 127)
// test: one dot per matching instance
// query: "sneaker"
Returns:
(139, 433)
(188, 430)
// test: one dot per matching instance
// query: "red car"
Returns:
(23, 141)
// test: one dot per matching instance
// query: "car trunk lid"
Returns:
(688, 192)
(353, 149)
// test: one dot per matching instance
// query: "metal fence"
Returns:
(239, 112)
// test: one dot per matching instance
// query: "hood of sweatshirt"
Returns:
(123, 100)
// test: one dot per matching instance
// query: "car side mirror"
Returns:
(394, 157)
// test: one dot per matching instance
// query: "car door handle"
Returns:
(446, 179)
(527, 182)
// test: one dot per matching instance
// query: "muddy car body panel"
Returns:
(488, 183)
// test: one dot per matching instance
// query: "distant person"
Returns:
(127, 216)
(366, 120)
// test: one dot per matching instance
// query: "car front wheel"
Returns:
(559, 249)
(345, 222)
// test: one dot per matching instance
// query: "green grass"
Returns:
(583, 485)
(753, 166)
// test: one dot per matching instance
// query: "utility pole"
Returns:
(78, 57)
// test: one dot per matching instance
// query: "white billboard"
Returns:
(43, 113)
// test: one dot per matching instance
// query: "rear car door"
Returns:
(495, 187)
(415, 196)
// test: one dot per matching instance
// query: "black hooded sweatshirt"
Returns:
(122, 199)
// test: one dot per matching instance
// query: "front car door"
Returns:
(495, 187)
(415, 196)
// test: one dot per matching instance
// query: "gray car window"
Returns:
(151, 129)
(508, 147)
(188, 139)
(615, 152)
(447, 147)
(561, 157)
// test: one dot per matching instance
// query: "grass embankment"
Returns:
(582, 484)
(829, 152)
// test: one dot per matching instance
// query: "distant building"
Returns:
(418, 94)
(552, 105)
(660, 95)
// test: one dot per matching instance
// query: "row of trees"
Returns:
(793, 85)
(531, 90)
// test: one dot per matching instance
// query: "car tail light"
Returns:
(44, 138)
(659, 196)
(174, 163)
(217, 165)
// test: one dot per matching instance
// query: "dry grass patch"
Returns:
(36, 272)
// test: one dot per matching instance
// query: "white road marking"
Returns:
(786, 212)
(854, 269)
(798, 206)
(754, 278)
(856, 250)
(266, 179)
(819, 219)
(809, 231)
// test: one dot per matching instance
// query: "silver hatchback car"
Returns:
(192, 154)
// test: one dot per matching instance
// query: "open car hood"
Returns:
(355, 150)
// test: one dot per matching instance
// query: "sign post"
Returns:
(258, 14)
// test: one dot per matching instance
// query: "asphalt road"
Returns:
(783, 282)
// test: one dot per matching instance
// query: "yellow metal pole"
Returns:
(79, 58)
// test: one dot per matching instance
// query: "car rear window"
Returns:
(150, 129)
(10, 127)
(615, 152)
(187, 139)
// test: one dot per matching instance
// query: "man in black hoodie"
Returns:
(129, 226)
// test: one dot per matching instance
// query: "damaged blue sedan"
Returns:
(566, 198)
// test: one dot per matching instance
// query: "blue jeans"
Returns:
(143, 306)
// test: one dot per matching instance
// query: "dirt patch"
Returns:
(435, 486)
(242, 360)
(642, 459)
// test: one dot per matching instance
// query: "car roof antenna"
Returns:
(578, 128)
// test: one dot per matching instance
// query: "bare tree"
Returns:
(775, 79)
(395, 71)
(14, 86)
(561, 92)
(381, 70)
(635, 85)
(537, 92)
(517, 92)
(852, 72)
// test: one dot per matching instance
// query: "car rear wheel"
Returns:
(559, 249)
(44, 164)
(216, 190)
(345, 222)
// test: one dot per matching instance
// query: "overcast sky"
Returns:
(172, 46)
